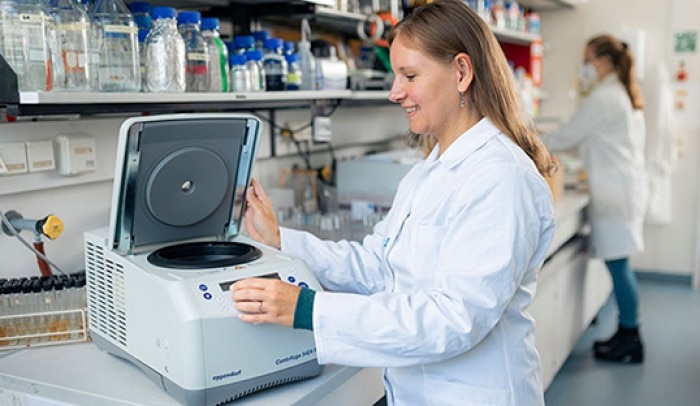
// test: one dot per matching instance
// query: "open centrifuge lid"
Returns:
(181, 178)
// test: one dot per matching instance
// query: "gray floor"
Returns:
(670, 374)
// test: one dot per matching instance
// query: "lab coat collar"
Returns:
(465, 144)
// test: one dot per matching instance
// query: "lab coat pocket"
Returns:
(468, 395)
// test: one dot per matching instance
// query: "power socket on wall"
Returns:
(40, 156)
(76, 154)
(322, 129)
(13, 158)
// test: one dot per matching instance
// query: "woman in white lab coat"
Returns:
(437, 294)
(608, 129)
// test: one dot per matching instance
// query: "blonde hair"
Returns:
(622, 60)
(445, 28)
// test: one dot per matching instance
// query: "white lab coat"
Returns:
(438, 293)
(609, 135)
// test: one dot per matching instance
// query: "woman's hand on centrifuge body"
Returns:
(260, 219)
(262, 300)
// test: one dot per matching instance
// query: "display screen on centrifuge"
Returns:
(225, 286)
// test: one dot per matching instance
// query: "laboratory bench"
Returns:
(570, 217)
(571, 287)
(82, 374)
(571, 290)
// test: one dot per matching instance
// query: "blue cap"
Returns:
(189, 17)
(244, 41)
(140, 7)
(237, 59)
(261, 35)
(273, 43)
(142, 35)
(143, 21)
(210, 23)
(291, 58)
(163, 12)
(254, 55)
(231, 46)
(288, 47)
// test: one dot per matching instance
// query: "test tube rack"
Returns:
(43, 311)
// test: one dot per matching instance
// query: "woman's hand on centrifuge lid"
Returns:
(260, 218)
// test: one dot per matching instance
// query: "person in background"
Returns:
(608, 129)
(438, 293)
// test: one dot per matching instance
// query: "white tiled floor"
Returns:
(670, 375)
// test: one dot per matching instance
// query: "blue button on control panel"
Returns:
(303, 284)
(203, 287)
(291, 279)
(207, 296)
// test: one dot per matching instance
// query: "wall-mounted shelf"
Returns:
(55, 103)
(543, 5)
(77, 98)
(514, 37)
(367, 95)
(363, 98)
(199, 4)
(289, 11)
(321, 19)
(35, 103)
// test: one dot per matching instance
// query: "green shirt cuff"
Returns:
(304, 312)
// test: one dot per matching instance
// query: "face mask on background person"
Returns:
(587, 76)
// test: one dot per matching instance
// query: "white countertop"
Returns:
(569, 215)
(571, 202)
(82, 374)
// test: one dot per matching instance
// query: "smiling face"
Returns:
(444, 52)
(429, 91)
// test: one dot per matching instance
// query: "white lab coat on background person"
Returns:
(609, 135)
(438, 293)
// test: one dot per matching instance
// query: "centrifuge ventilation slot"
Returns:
(106, 304)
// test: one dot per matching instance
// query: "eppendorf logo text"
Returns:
(226, 375)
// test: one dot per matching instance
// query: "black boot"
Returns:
(610, 342)
(624, 346)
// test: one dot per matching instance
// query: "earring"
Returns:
(461, 100)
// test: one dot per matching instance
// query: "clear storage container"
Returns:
(165, 54)
(117, 41)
